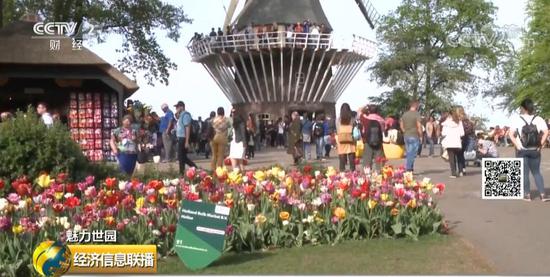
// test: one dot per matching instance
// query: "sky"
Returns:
(192, 84)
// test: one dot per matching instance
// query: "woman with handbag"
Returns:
(124, 145)
(237, 146)
(452, 133)
(344, 138)
(295, 147)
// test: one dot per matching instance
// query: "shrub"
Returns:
(28, 147)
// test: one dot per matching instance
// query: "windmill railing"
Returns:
(245, 42)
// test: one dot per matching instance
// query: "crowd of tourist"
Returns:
(234, 140)
(265, 33)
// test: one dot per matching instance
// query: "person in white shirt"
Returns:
(42, 110)
(452, 132)
(528, 134)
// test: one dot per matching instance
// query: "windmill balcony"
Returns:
(273, 40)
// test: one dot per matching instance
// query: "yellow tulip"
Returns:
(340, 213)
(17, 229)
(259, 175)
(412, 203)
(331, 171)
(372, 204)
(44, 181)
(235, 177)
(289, 182)
(284, 215)
(162, 191)
(221, 171)
(58, 195)
(260, 219)
(281, 174)
(139, 202)
(429, 186)
(384, 197)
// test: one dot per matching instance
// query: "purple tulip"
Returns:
(326, 198)
(5, 223)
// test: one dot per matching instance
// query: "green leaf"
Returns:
(397, 228)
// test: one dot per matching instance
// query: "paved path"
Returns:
(513, 235)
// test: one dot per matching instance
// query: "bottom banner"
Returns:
(111, 259)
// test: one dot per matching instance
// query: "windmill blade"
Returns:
(369, 11)
(230, 13)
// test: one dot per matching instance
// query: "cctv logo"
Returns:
(54, 28)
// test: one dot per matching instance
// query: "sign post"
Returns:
(200, 233)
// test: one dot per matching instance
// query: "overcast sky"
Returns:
(192, 84)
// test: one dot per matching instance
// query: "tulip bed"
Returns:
(269, 208)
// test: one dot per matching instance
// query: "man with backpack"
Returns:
(528, 134)
(318, 134)
(207, 134)
(373, 126)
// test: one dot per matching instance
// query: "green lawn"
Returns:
(435, 254)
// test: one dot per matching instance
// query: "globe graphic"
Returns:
(51, 259)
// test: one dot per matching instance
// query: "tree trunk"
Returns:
(1, 14)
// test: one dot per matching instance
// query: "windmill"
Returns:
(267, 69)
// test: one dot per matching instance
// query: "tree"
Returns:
(533, 72)
(137, 21)
(431, 47)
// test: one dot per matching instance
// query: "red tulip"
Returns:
(1, 184)
(70, 188)
(155, 184)
(400, 192)
(191, 173)
(307, 169)
(227, 162)
(172, 228)
(248, 190)
(355, 193)
(61, 178)
(110, 200)
(215, 197)
(440, 187)
(192, 196)
(58, 207)
(152, 198)
(22, 188)
(72, 202)
(110, 183)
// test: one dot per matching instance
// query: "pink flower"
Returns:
(90, 180)
(14, 198)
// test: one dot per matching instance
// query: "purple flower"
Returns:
(5, 223)
(14, 198)
(326, 198)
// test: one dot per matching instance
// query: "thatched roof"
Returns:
(19, 46)
(262, 12)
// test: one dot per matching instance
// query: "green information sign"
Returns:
(201, 233)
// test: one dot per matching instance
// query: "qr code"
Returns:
(502, 178)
